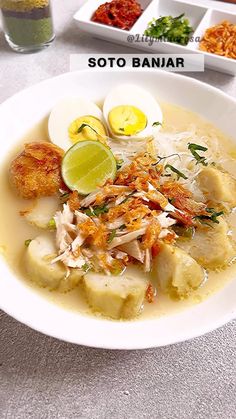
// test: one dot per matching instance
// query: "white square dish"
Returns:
(201, 16)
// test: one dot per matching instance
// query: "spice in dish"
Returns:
(27, 23)
(220, 39)
(121, 14)
(170, 29)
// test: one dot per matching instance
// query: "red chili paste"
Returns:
(118, 13)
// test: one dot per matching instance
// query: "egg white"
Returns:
(130, 94)
(64, 113)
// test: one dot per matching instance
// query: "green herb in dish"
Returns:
(27, 242)
(184, 232)
(98, 210)
(157, 124)
(170, 29)
(84, 126)
(211, 217)
(64, 197)
(176, 171)
(86, 267)
(193, 149)
(119, 163)
(52, 224)
(111, 236)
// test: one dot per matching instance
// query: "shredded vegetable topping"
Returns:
(220, 39)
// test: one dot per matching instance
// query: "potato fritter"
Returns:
(36, 171)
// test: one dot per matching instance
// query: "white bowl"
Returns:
(25, 109)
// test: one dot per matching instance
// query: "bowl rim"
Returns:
(103, 341)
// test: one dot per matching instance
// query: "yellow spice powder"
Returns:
(23, 5)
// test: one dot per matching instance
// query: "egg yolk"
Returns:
(87, 128)
(127, 120)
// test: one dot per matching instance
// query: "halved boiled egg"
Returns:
(130, 112)
(76, 119)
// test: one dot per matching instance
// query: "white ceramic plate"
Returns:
(26, 305)
(202, 14)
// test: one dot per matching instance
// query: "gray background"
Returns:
(41, 377)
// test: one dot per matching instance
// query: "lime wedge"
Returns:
(87, 165)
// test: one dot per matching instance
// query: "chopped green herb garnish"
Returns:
(119, 163)
(176, 171)
(214, 214)
(102, 209)
(27, 242)
(170, 29)
(64, 197)
(52, 224)
(156, 124)
(193, 148)
(211, 217)
(88, 212)
(186, 232)
(128, 196)
(98, 210)
(86, 267)
(164, 158)
(117, 268)
(111, 236)
(84, 126)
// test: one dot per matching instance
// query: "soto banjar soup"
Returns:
(128, 210)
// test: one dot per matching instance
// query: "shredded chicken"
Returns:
(126, 238)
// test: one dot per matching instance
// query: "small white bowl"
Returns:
(28, 306)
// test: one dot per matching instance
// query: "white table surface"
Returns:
(41, 377)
